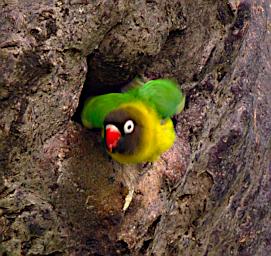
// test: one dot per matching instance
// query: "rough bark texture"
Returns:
(61, 195)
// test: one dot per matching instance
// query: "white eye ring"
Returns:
(128, 127)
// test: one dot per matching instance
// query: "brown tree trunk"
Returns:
(208, 195)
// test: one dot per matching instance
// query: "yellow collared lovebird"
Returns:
(136, 125)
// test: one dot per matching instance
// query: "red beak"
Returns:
(112, 136)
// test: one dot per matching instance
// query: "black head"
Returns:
(122, 132)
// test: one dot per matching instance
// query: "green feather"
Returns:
(162, 94)
(96, 109)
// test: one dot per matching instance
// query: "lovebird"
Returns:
(136, 125)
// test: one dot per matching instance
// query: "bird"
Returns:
(136, 125)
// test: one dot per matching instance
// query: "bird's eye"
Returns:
(128, 126)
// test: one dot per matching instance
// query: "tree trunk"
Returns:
(208, 195)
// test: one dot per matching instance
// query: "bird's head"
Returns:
(122, 131)
(133, 133)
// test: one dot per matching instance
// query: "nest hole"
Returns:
(102, 77)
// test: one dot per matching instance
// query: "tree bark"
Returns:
(208, 195)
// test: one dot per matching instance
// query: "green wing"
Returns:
(164, 94)
(96, 109)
